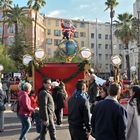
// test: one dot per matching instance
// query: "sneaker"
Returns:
(60, 125)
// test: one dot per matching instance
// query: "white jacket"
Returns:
(133, 123)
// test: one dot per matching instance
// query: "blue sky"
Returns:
(81, 9)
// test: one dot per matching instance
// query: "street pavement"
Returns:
(13, 127)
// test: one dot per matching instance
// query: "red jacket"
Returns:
(33, 102)
(25, 104)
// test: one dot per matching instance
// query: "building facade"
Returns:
(94, 35)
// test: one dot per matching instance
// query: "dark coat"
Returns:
(58, 97)
(3, 100)
(79, 112)
(92, 91)
(109, 121)
(46, 104)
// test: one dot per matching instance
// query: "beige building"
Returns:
(94, 35)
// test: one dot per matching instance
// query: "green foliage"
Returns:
(19, 49)
(111, 4)
(60, 59)
(5, 60)
(126, 29)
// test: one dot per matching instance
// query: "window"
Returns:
(100, 57)
(49, 51)
(57, 33)
(92, 35)
(11, 40)
(106, 56)
(106, 36)
(11, 29)
(92, 45)
(120, 46)
(106, 66)
(99, 46)
(1, 30)
(99, 36)
(57, 23)
(49, 41)
(82, 34)
(76, 34)
(82, 24)
(106, 46)
(49, 31)
(56, 42)
(82, 43)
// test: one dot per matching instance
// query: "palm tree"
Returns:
(111, 4)
(126, 31)
(18, 16)
(36, 6)
(5, 5)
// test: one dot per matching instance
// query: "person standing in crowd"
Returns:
(93, 89)
(109, 117)
(59, 98)
(79, 113)
(3, 100)
(25, 109)
(133, 112)
(34, 105)
(46, 110)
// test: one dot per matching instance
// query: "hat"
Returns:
(55, 84)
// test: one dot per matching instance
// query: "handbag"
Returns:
(15, 106)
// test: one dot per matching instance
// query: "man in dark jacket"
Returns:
(93, 89)
(46, 110)
(79, 113)
(109, 117)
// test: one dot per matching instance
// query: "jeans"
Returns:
(1, 120)
(26, 125)
(51, 128)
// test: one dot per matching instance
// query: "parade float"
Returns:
(66, 72)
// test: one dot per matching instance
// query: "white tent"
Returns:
(99, 80)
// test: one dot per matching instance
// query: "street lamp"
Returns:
(39, 56)
(116, 61)
(138, 41)
(85, 53)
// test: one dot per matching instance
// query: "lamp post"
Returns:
(138, 43)
(85, 54)
(116, 61)
(133, 71)
(1, 69)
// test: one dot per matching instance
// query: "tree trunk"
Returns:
(16, 34)
(127, 63)
(35, 31)
(2, 41)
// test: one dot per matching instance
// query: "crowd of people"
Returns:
(93, 110)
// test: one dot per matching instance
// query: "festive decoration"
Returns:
(68, 29)
(68, 49)
(73, 75)
(116, 61)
